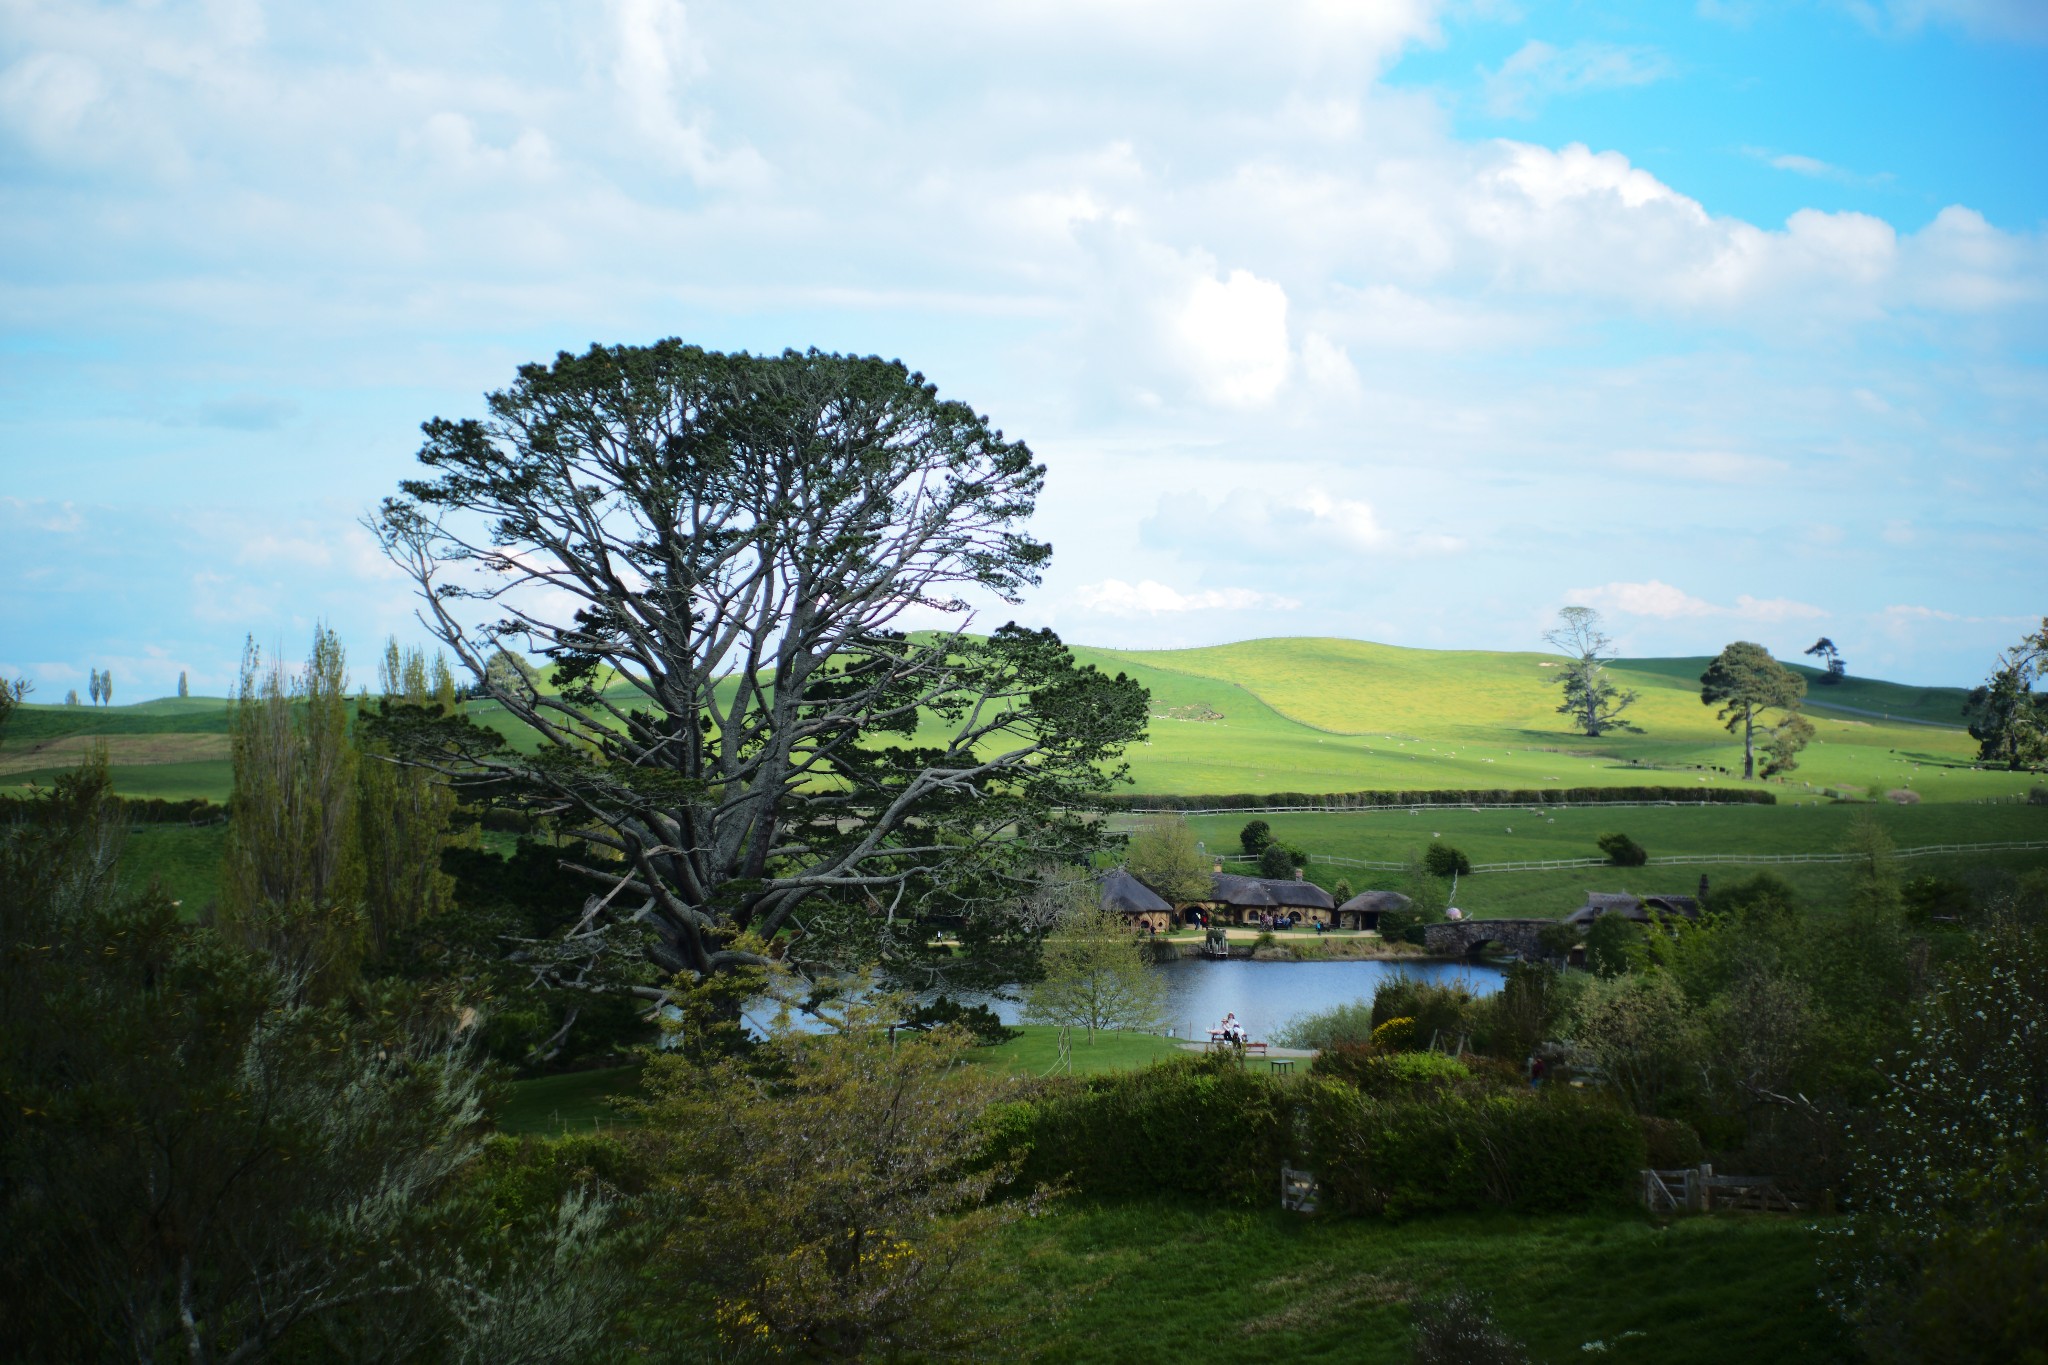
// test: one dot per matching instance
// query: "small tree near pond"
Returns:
(1094, 976)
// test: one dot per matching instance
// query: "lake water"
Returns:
(1265, 995)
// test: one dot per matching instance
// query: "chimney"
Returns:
(1297, 874)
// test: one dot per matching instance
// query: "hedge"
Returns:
(1534, 796)
(136, 811)
(1207, 1128)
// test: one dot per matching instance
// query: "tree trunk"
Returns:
(1748, 742)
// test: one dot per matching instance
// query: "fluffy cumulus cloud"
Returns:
(1265, 314)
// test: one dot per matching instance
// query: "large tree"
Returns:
(1592, 701)
(1748, 685)
(721, 556)
(1165, 857)
(1831, 659)
(2008, 718)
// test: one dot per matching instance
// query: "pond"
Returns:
(1265, 995)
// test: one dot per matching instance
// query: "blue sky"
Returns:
(1410, 320)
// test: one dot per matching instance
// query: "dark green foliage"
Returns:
(1933, 899)
(981, 1021)
(1473, 796)
(1614, 945)
(1346, 1023)
(1442, 1010)
(1395, 1158)
(1458, 1329)
(154, 810)
(1747, 683)
(1201, 1126)
(1255, 836)
(1441, 860)
(2008, 717)
(1831, 659)
(1671, 1144)
(736, 713)
(1279, 861)
(1525, 1011)
(1623, 851)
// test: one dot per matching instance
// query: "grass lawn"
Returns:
(574, 1099)
(1158, 1281)
(184, 860)
(1036, 1052)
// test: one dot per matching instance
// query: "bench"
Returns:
(1216, 1039)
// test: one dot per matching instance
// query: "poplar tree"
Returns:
(404, 811)
(107, 687)
(94, 687)
(292, 877)
(184, 688)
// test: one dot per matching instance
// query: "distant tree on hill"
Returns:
(94, 687)
(107, 687)
(184, 688)
(1831, 659)
(1255, 836)
(11, 695)
(1593, 702)
(71, 697)
(1747, 683)
(2008, 718)
(1164, 857)
(1442, 860)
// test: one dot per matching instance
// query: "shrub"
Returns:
(1277, 861)
(1256, 836)
(1395, 1035)
(1932, 898)
(1671, 1143)
(1391, 1075)
(979, 1020)
(1458, 1329)
(2037, 796)
(1623, 851)
(1444, 1010)
(1444, 861)
(1200, 1126)
(1347, 1023)
(1903, 796)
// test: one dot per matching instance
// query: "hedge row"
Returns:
(153, 811)
(1533, 796)
(1207, 1128)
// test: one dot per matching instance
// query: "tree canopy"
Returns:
(1831, 659)
(1592, 701)
(720, 556)
(2008, 718)
(1747, 683)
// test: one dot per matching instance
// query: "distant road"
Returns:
(1879, 715)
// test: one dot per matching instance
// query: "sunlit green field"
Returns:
(1288, 715)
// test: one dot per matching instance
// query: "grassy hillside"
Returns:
(1335, 715)
(1304, 715)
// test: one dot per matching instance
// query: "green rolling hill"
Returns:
(1290, 715)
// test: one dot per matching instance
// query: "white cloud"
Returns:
(1349, 519)
(1539, 72)
(1662, 601)
(1233, 333)
(1148, 597)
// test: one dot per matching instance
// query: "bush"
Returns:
(1444, 861)
(1903, 796)
(1255, 837)
(1671, 1143)
(1348, 1023)
(1452, 1152)
(981, 1021)
(1396, 1075)
(1623, 851)
(1443, 1010)
(2037, 796)
(1278, 861)
(1395, 1035)
(1200, 1126)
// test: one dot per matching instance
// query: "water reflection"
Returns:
(1266, 995)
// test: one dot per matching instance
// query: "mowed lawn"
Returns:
(1170, 1282)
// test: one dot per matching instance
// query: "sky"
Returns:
(1402, 320)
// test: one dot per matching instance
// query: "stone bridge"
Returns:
(1470, 937)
